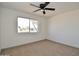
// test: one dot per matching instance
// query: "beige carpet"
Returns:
(42, 48)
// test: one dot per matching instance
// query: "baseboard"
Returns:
(39, 41)
(24, 44)
(63, 44)
(0, 51)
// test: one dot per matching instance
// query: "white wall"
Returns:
(0, 30)
(9, 35)
(64, 28)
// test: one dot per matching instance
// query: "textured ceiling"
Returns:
(60, 7)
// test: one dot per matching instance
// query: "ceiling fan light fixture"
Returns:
(41, 10)
(44, 12)
(42, 7)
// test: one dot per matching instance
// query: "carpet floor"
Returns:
(42, 48)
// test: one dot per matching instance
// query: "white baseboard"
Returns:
(22, 44)
(0, 50)
(64, 43)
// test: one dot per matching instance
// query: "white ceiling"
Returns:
(26, 7)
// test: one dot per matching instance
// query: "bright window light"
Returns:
(27, 25)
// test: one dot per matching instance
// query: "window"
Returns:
(27, 25)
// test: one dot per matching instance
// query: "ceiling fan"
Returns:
(42, 7)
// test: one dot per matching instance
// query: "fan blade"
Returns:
(34, 5)
(50, 9)
(46, 3)
(37, 10)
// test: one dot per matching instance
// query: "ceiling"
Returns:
(60, 7)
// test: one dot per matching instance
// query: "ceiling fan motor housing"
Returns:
(42, 6)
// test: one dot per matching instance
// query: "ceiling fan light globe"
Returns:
(41, 10)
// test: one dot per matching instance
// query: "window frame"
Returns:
(29, 24)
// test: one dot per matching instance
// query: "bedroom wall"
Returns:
(0, 30)
(64, 28)
(9, 35)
